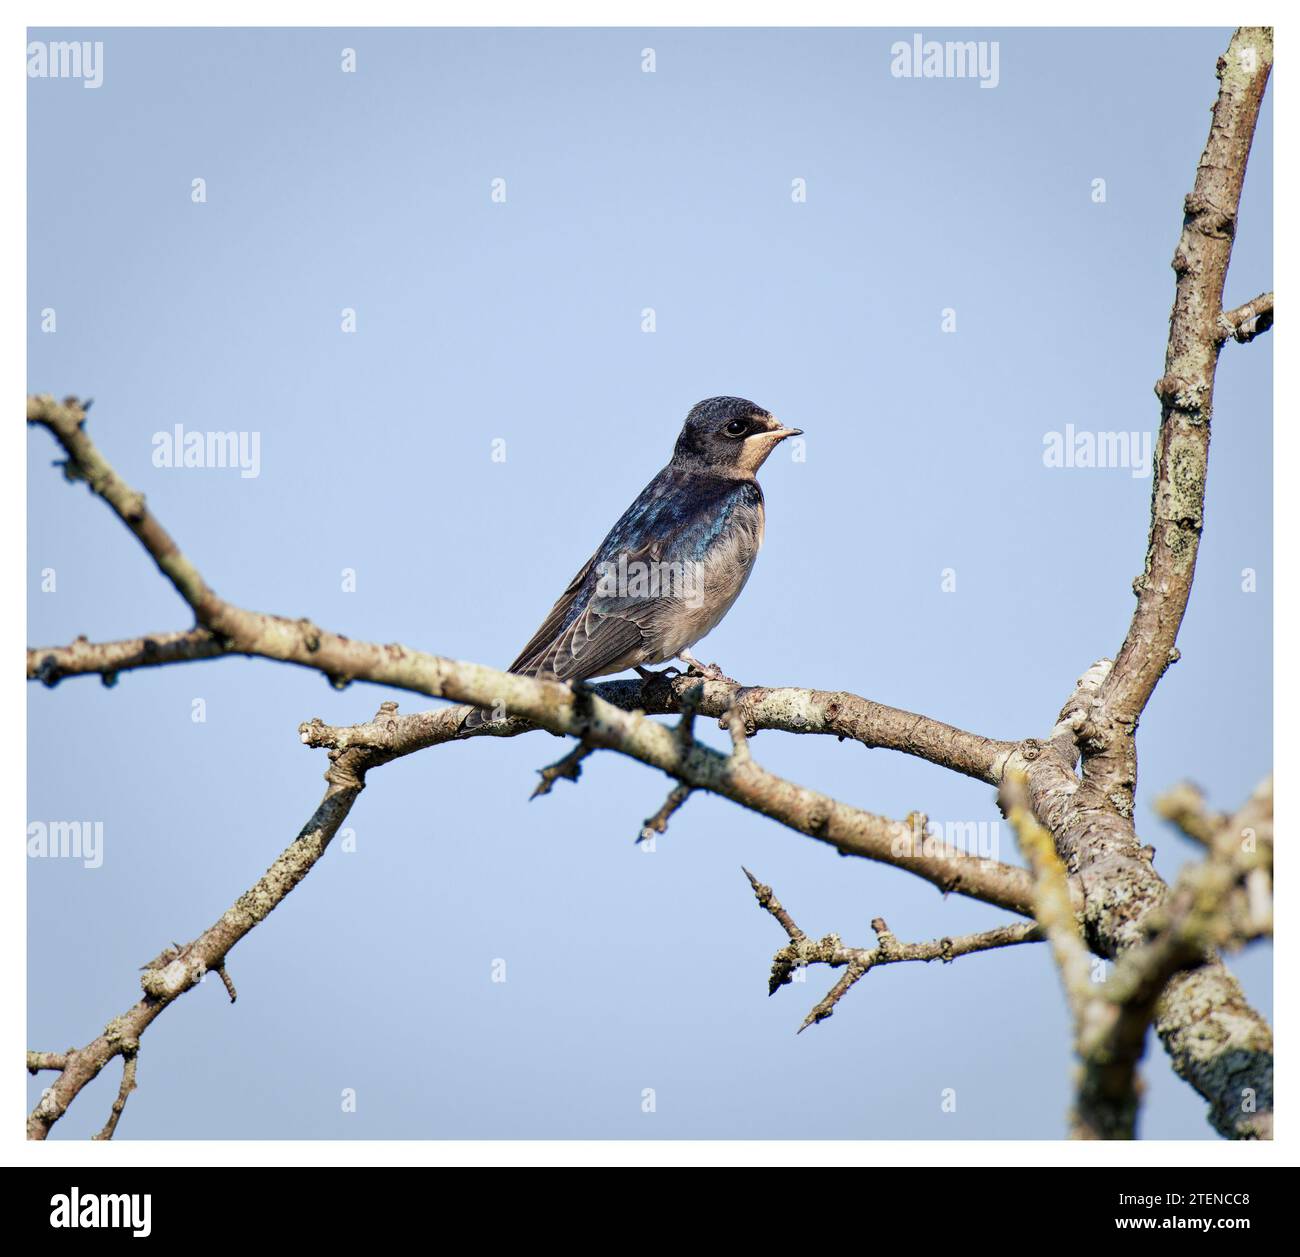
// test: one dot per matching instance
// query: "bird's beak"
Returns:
(767, 439)
(758, 446)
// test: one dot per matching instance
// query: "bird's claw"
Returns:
(709, 671)
(649, 676)
(663, 677)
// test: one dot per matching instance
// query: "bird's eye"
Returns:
(737, 427)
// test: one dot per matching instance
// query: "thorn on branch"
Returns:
(768, 901)
(658, 823)
(825, 1007)
(226, 982)
(569, 767)
(801, 951)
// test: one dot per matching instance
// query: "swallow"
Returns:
(674, 563)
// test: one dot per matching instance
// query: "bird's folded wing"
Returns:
(588, 632)
(554, 624)
(593, 645)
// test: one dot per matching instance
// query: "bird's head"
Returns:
(728, 436)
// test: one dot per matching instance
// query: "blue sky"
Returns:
(520, 322)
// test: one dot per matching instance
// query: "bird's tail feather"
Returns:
(474, 719)
(477, 717)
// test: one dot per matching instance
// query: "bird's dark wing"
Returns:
(562, 614)
(589, 632)
(598, 632)
(595, 644)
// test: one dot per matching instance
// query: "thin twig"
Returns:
(1247, 321)
(129, 1058)
(658, 823)
(568, 767)
(36, 1061)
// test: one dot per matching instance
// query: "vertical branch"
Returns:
(1186, 392)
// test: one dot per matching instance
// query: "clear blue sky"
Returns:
(522, 321)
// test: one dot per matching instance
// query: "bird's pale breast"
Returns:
(724, 567)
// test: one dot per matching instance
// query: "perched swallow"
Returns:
(672, 566)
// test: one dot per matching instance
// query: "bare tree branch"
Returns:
(1215, 1039)
(180, 969)
(1053, 908)
(36, 1061)
(107, 659)
(788, 709)
(130, 1055)
(904, 844)
(1247, 321)
(568, 767)
(802, 952)
(1106, 1094)
(1184, 931)
(658, 823)
(1186, 392)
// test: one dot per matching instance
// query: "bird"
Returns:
(673, 564)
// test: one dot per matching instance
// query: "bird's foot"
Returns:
(710, 671)
(650, 676)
